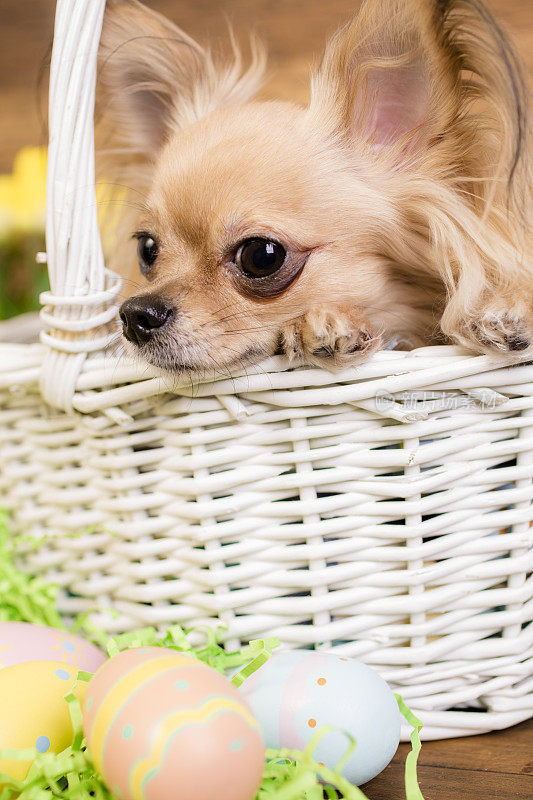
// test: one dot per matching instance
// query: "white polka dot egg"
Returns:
(295, 693)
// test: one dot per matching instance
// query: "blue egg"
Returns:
(298, 692)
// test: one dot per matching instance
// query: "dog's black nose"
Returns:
(143, 315)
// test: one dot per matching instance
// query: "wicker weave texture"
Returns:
(384, 512)
(283, 503)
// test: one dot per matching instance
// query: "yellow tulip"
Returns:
(23, 196)
(23, 193)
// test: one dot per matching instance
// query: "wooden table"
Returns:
(495, 766)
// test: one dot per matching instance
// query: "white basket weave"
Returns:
(347, 511)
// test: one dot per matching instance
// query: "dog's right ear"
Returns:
(145, 64)
(153, 78)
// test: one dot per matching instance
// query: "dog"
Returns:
(393, 208)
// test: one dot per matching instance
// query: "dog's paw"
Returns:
(331, 337)
(505, 333)
(501, 330)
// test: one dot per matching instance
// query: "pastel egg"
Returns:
(24, 641)
(161, 724)
(295, 693)
(33, 712)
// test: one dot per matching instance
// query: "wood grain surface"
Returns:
(497, 766)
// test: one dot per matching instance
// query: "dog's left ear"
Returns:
(386, 78)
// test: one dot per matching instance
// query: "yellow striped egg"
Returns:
(33, 712)
(161, 724)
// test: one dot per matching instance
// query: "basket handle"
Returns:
(80, 306)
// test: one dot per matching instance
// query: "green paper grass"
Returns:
(289, 774)
(23, 597)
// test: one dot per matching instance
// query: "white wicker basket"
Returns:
(346, 511)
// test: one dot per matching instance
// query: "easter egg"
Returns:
(24, 641)
(33, 712)
(296, 692)
(161, 724)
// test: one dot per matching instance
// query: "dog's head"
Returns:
(246, 213)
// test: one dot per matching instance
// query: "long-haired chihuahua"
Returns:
(394, 207)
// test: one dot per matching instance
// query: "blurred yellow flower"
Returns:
(23, 196)
(23, 193)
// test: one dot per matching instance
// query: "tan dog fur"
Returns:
(401, 194)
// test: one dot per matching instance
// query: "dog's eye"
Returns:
(147, 251)
(259, 258)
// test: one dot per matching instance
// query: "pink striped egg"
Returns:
(161, 724)
(21, 642)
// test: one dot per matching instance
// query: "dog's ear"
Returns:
(153, 77)
(145, 64)
(385, 77)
